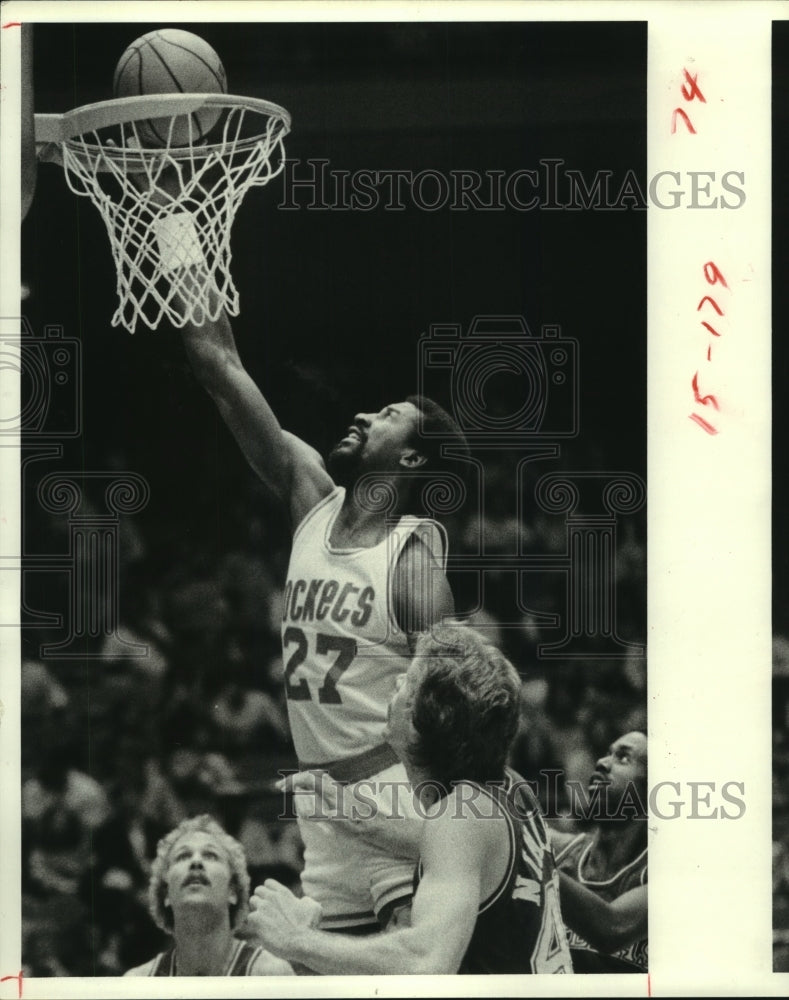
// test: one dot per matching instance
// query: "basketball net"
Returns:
(169, 210)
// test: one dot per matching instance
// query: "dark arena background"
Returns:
(337, 305)
(780, 366)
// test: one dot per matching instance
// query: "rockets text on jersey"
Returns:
(342, 647)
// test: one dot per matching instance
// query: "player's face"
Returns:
(375, 442)
(199, 873)
(623, 769)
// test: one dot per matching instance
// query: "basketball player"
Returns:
(364, 578)
(486, 886)
(198, 893)
(610, 860)
(606, 926)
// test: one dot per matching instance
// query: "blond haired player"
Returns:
(198, 893)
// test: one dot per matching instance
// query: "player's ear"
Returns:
(232, 897)
(410, 458)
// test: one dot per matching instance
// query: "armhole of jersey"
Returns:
(431, 533)
(256, 953)
(506, 878)
(245, 957)
(567, 848)
(314, 510)
(509, 872)
(164, 964)
(408, 527)
(618, 874)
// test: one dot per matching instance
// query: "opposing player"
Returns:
(486, 898)
(198, 892)
(365, 577)
(610, 860)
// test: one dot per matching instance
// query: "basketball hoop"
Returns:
(168, 208)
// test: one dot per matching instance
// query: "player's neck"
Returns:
(616, 844)
(356, 525)
(201, 951)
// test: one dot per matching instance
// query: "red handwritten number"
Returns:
(704, 400)
(713, 274)
(693, 91)
(679, 111)
(18, 977)
(712, 302)
(703, 423)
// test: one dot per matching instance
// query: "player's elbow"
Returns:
(212, 352)
(216, 368)
(431, 957)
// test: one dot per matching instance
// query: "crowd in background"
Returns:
(781, 803)
(118, 748)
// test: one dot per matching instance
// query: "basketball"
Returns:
(171, 61)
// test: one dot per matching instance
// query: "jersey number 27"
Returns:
(341, 648)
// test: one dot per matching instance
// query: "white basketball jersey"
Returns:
(342, 647)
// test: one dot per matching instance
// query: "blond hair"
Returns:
(157, 888)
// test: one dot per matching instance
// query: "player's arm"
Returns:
(606, 926)
(442, 917)
(420, 591)
(292, 471)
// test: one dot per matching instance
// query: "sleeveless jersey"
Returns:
(633, 958)
(240, 962)
(519, 927)
(342, 647)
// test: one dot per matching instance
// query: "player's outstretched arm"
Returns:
(292, 471)
(442, 918)
(606, 926)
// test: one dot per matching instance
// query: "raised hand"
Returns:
(278, 917)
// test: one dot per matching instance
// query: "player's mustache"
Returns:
(356, 428)
(197, 876)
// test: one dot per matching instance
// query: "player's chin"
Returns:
(343, 460)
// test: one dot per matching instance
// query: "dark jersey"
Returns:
(519, 927)
(571, 859)
(240, 962)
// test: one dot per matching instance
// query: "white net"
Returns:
(169, 209)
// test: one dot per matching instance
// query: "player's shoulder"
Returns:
(311, 502)
(311, 483)
(266, 964)
(143, 970)
(467, 819)
(426, 537)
